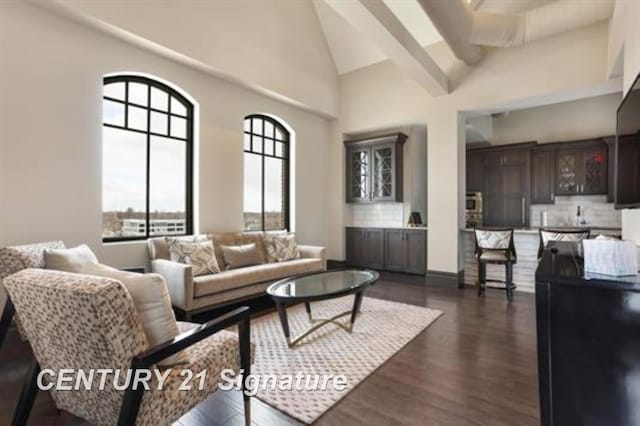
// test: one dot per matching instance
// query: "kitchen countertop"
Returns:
(422, 228)
(562, 263)
(534, 230)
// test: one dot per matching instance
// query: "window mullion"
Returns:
(148, 192)
(263, 179)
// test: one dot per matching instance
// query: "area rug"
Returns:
(381, 330)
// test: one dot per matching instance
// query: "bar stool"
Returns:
(495, 246)
(550, 234)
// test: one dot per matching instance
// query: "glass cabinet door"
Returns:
(360, 168)
(383, 179)
(567, 173)
(595, 171)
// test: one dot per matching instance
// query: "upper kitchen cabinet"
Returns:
(506, 185)
(582, 169)
(374, 169)
(542, 176)
(474, 171)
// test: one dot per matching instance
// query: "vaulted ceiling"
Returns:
(352, 48)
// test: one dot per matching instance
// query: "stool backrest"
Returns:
(495, 239)
(549, 234)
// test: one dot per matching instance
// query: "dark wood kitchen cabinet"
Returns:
(365, 247)
(475, 170)
(389, 249)
(405, 250)
(374, 169)
(542, 176)
(506, 187)
(582, 169)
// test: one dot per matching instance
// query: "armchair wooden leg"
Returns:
(131, 403)
(27, 396)
(244, 337)
(5, 321)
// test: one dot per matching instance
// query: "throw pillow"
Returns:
(151, 299)
(242, 255)
(69, 260)
(200, 255)
(281, 247)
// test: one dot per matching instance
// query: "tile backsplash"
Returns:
(378, 215)
(594, 209)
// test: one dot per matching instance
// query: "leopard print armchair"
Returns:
(12, 260)
(77, 321)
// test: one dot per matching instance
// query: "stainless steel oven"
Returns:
(473, 209)
(474, 202)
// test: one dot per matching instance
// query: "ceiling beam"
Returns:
(378, 23)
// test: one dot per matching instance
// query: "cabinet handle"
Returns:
(523, 210)
(553, 197)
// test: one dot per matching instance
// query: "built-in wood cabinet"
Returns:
(475, 169)
(542, 176)
(512, 177)
(374, 169)
(505, 187)
(365, 247)
(582, 169)
(390, 249)
(405, 251)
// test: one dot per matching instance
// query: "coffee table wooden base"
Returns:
(319, 322)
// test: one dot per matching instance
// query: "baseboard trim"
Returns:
(448, 278)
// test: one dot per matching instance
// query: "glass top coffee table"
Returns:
(320, 286)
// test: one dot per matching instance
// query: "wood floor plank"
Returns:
(476, 365)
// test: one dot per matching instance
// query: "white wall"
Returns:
(275, 45)
(567, 121)
(380, 95)
(50, 153)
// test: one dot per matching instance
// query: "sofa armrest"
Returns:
(314, 252)
(179, 280)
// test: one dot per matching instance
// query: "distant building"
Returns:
(134, 227)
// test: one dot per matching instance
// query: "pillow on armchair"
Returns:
(69, 260)
(151, 299)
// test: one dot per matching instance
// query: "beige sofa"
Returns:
(195, 294)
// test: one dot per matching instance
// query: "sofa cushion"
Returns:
(235, 239)
(151, 299)
(240, 256)
(199, 255)
(237, 278)
(69, 260)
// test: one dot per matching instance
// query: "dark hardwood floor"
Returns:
(476, 365)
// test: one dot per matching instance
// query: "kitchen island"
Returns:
(527, 241)
(588, 350)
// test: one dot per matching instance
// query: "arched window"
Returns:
(147, 159)
(266, 174)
